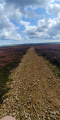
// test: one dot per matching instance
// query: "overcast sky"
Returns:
(29, 21)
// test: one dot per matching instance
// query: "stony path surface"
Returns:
(34, 93)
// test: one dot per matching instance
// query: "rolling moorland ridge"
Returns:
(34, 85)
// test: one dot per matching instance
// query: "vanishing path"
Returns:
(34, 93)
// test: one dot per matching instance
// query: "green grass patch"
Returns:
(55, 69)
(4, 77)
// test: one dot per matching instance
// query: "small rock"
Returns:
(22, 114)
(28, 107)
(43, 96)
(53, 113)
(57, 112)
(14, 114)
(50, 85)
(29, 118)
(48, 118)
(50, 77)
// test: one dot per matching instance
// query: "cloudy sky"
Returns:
(29, 21)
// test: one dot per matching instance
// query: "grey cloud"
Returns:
(15, 9)
(39, 29)
(7, 28)
(54, 30)
(24, 3)
(44, 31)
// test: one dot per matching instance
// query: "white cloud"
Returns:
(45, 29)
(30, 14)
(7, 28)
(54, 9)
(24, 23)
(13, 11)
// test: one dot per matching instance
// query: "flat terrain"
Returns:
(49, 51)
(9, 54)
(10, 57)
(35, 91)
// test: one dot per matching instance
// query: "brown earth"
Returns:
(35, 91)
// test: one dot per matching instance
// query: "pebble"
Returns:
(57, 112)
(53, 113)
(43, 96)
(49, 118)
(22, 114)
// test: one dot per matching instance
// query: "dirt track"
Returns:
(34, 93)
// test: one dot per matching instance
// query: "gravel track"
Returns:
(34, 93)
